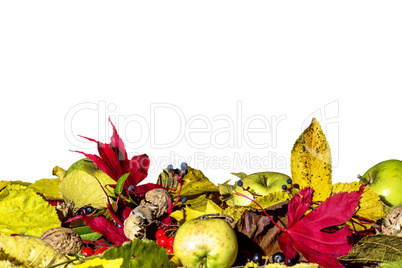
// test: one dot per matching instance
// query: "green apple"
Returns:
(261, 183)
(386, 181)
(212, 239)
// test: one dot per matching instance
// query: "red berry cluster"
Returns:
(164, 241)
(87, 251)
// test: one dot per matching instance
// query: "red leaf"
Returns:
(305, 235)
(106, 228)
(113, 161)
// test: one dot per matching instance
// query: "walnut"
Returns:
(134, 227)
(154, 206)
(135, 224)
(63, 240)
(157, 199)
(392, 223)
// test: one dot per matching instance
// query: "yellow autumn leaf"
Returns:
(23, 211)
(101, 263)
(4, 184)
(30, 251)
(6, 260)
(370, 206)
(80, 184)
(270, 199)
(186, 214)
(48, 187)
(311, 162)
(195, 183)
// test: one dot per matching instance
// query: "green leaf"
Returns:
(375, 249)
(86, 233)
(394, 264)
(120, 183)
(23, 211)
(141, 254)
(101, 263)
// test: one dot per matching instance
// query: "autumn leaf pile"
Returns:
(316, 223)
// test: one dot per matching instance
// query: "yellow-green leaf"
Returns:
(186, 214)
(195, 183)
(226, 190)
(370, 206)
(4, 184)
(30, 251)
(48, 187)
(373, 250)
(270, 199)
(98, 263)
(80, 185)
(23, 211)
(311, 162)
(6, 260)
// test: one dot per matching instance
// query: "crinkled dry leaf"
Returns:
(23, 211)
(374, 249)
(258, 233)
(48, 187)
(31, 251)
(370, 206)
(80, 184)
(101, 263)
(166, 180)
(311, 162)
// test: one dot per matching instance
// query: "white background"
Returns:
(155, 67)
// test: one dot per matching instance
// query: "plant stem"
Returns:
(263, 210)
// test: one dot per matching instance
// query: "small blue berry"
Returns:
(177, 171)
(284, 187)
(289, 181)
(170, 168)
(183, 166)
(240, 183)
(131, 189)
(184, 200)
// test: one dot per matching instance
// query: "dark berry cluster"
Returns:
(178, 172)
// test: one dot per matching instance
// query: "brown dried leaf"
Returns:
(257, 233)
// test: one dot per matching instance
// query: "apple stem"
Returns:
(263, 210)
